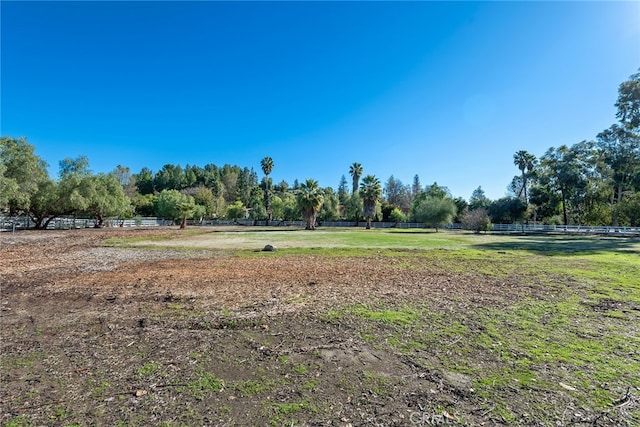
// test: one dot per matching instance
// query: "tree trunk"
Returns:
(309, 218)
(46, 223)
(614, 213)
(183, 224)
(564, 208)
(368, 223)
(267, 199)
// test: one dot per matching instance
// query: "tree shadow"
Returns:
(552, 244)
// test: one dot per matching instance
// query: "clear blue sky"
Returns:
(446, 90)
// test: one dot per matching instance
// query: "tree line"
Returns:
(594, 182)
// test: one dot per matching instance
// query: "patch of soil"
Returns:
(97, 335)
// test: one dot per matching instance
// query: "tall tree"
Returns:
(565, 172)
(144, 181)
(343, 190)
(478, 199)
(126, 180)
(628, 103)
(397, 193)
(170, 177)
(310, 198)
(370, 191)
(619, 152)
(267, 167)
(416, 187)
(525, 161)
(355, 170)
(507, 210)
(436, 191)
(330, 206)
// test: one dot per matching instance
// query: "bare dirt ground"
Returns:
(95, 335)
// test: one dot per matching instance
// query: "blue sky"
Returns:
(445, 90)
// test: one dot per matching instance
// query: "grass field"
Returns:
(240, 238)
(453, 328)
(581, 339)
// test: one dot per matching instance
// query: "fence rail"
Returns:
(65, 223)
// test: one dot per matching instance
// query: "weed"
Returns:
(148, 369)
(252, 387)
(300, 369)
(20, 421)
(205, 384)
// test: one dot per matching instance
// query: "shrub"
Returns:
(477, 220)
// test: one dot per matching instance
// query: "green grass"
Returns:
(148, 369)
(403, 316)
(204, 385)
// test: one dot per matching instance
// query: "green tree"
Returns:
(105, 198)
(290, 209)
(436, 191)
(462, 207)
(74, 167)
(416, 187)
(144, 181)
(619, 152)
(628, 210)
(171, 204)
(628, 103)
(236, 211)
(310, 199)
(46, 204)
(170, 177)
(267, 167)
(330, 206)
(397, 193)
(23, 175)
(525, 162)
(187, 208)
(8, 188)
(204, 197)
(507, 210)
(353, 208)
(343, 191)
(478, 200)
(355, 170)
(565, 172)
(144, 204)
(396, 215)
(370, 191)
(434, 211)
(257, 210)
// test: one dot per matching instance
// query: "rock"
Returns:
(269, 248)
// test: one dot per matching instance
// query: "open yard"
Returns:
(340, 327)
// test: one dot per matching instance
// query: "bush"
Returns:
(477, 220)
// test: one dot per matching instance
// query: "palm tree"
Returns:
(267, 167)
(310, 198)
(525, 162)
(355, 170)
(370, 191)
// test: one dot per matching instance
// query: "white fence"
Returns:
(65, 223)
